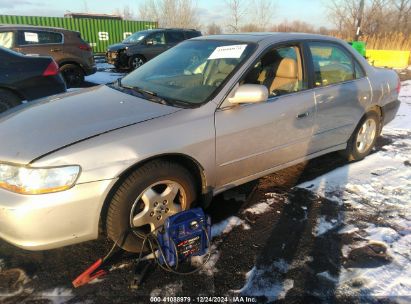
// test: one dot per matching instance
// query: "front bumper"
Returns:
(39, 222)
(112, 57)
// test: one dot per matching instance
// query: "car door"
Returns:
(41, 43)
(341, 93)
(155, 45)
(253, 138)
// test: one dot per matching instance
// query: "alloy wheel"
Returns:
(156, 203)
(137, 62)
(366, 135)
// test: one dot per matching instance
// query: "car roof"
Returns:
(268, 36)
(31, 27)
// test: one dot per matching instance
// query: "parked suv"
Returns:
(142, 46)
(73, 55)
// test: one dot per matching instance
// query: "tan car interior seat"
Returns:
(282, 76)
(222, 70)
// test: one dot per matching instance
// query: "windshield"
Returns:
(136, 37)
(191, 72)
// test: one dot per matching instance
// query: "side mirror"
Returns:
(149, 42)
(249, 93)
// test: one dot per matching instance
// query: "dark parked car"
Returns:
(27, 78)
(142, 46)
(73, 55)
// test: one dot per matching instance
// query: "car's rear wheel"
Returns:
(145, 199)
(8, 100)
(72, 74)
(364, 137)
(136, 61)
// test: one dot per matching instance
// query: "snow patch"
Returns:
(382, 234)
(168, 290)
(259, 208)
(264, 282)
(103, 77)
(208, 268)
(323, 226)
(326, 275)
(227, 225)
(57, 295)
(377, 189)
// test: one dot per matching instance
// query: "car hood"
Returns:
(37, 128)
(118, 46)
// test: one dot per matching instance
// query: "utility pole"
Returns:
(359, 20)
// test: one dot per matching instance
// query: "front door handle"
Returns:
(303, 115)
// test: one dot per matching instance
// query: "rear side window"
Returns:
(331, 64)
(7, 39)
(37, 37)
(175, 37)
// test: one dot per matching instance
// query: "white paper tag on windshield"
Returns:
(31, 37)
(229, 51)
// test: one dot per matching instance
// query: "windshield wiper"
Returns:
(152, 96)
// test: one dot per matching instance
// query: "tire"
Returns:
(137, 201)
(135, 62)
(8, 100)
(368, 129)
(72, 74)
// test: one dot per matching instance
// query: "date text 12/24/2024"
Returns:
(203, 299)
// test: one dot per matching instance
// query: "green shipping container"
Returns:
(100, 33)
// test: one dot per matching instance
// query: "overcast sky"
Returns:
(210, 10)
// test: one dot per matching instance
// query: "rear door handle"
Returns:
(56, 50)
(303, 115)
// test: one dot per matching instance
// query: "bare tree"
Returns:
(126, 13)
(171, 13)
(213, 29)
(85, 4)
(263, 12)
(236, 13)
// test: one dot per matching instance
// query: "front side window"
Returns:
(191, 72)
(158, 38)
(34, 37)
(7, 39)
(331, 64)
(280, 70)
(136, 37)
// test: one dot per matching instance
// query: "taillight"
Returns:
(52, 69)
(84, 47)
(399, 86)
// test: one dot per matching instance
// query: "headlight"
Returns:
(26, 180)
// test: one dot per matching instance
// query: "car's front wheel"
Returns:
(145, 199)
(136, 62)
(364, 137)
(8, 100)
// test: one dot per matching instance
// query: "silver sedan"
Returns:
(205, 116)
